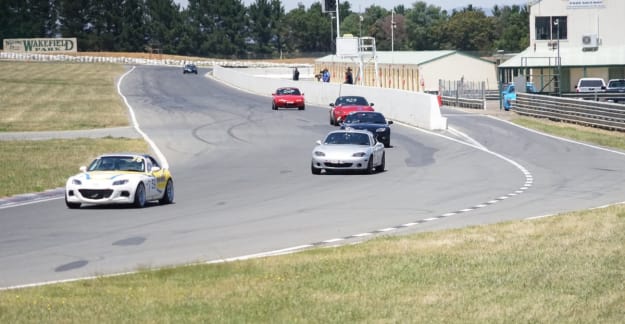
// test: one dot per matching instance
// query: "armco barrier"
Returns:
(413, 108)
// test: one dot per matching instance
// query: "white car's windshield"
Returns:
(118, 163)
(347, 138)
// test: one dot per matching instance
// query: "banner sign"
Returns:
(575, 4)
(39, 45)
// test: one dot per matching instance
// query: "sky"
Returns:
(358, 5)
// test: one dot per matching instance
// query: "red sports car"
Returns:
(345, 105)
(288, 98)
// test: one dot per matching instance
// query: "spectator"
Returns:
(349, 78)
(326, 75)
(295, 74)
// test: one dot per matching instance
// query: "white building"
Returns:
(571, 39)
(413, 70)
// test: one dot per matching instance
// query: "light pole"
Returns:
(331, 31)
(360, 25)
(392, 30)
(557, 24)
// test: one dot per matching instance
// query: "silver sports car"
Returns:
(348, 150)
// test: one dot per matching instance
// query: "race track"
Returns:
(243, 185)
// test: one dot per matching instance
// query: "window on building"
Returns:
(547, 29)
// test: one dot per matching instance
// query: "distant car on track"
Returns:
(348, 150)
(288, 97)
(372, 121)
(343, 105)
(189, 68)
(125, 178)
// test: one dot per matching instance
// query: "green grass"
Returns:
(59, 96)
(34, 166)
(568, 268)
(562, 269)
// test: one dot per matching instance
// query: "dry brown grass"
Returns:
(59, 96)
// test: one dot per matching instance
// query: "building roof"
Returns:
(400, 57)
(570, 57)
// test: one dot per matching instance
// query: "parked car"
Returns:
(371, 121)
(590, 85)
(126, 178)
(189, 68)
(288, 97)
(343, 105)
(616, 85)
(345, 150)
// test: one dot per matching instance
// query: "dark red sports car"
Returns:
(288, 97)
(345, 105)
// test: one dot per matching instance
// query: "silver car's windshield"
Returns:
(118, 163)
(347, 138)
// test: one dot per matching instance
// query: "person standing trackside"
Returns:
(326, 75)
(349, 78)
(295, 74)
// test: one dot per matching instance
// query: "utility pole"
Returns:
(393, 30)
(559, 66)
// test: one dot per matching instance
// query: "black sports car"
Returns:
(372, 121)
(189, 68)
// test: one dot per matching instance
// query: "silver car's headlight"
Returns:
(380, 130)
(120, 182)
(359, 154)
(76, 182)
(318, 153)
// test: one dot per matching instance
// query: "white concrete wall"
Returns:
(413, 108)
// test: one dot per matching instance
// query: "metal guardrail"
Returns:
(464, 102)
(605, 115)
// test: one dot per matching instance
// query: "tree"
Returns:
(424, 25)
(265, 21)
(469, 30)
(28, 18)
(512, 28)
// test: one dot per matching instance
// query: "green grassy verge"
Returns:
(34, 166)
(561, 269)
(59, 96)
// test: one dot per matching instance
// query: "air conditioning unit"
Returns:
(590, 41)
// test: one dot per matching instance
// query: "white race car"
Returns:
(124, 178)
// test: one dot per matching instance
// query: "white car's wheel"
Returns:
(140, 198)
(71, 205)
(168, 196)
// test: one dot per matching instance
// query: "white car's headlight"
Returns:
(120, 182)
(76, 182)
(359, 154)
(318, 153)
(380, 130)
(349, 128)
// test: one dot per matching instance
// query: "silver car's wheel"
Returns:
(140, 199)
(382, 165)
(370, 168)
(168, 196)
(314, 170)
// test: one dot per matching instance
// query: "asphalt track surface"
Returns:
(243, 185)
